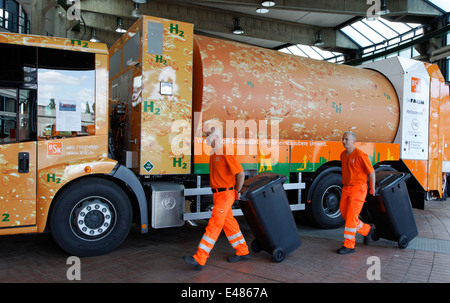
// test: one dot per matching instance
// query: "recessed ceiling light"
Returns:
(268, 3)
(262, 10)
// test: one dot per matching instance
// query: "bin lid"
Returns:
(386, 179)
(254, 183)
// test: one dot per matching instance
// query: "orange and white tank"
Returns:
(311, 99)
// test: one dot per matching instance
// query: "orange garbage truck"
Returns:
(93, 140)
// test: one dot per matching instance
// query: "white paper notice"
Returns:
(68, 115)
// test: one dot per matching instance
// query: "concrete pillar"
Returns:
(60, 23)
(38, 10)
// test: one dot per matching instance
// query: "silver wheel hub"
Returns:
(330, 201)
(93, 218)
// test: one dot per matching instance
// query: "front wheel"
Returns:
(91, 217)
(278, 255)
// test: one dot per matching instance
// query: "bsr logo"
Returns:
(55, 149)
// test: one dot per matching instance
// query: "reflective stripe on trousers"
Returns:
(221, 218)
(352, 201)
(350, 233)
(236, 239)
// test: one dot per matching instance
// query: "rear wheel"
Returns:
(403, 242)
(324, 207)
(91, 217)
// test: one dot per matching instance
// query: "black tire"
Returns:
(278, 255)
(91, 217)
(323, 210)
(403, 242)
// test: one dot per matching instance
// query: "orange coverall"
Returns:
(223, 169)
(355, 168)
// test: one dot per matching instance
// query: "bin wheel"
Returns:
(278, 255)
(403, 241)
(256, 248)
(375, 236)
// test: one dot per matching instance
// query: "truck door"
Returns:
(17, 158)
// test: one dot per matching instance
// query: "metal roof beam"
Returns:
(349, 7)
(102, 14)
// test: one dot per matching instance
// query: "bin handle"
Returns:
(244, 194)
(387, 177)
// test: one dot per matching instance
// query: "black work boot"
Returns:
(191, 261)
(345, 250)
(236, 258)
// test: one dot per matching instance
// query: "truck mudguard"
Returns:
(127, 176)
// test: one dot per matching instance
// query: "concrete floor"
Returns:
(157, 257)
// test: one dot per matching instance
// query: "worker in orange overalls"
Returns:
(355, 168)
(226, 180)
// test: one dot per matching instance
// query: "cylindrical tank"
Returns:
(311, 99)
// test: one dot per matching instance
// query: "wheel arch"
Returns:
(133, 186)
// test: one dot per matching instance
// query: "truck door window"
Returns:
(17, 93)
(65, 83)
(8, 115)
(66, 93)
(26, 113)
(17, 112)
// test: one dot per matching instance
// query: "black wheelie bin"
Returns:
(390, 209)
(266, 209)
